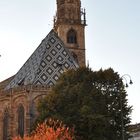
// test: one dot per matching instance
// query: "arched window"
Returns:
(21, 121)
(71, 36)
(5, 125)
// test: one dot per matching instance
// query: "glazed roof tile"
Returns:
(46, 64)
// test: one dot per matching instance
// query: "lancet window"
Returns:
(21, 120)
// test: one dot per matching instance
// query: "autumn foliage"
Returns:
(50, 130)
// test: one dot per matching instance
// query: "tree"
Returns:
(50, 130)
(93, 102)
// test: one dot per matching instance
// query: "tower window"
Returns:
(21, 120)
(5, 125)
(71, 36)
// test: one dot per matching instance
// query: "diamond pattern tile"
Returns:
(53, 52)
(64, 53)
(58, 46)
(52, 40)
(46, 64)
(43, 64)
(49, 71)
(44, 77)
(66, 65)
(49, 58)
(55, 65)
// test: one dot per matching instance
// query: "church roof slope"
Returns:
(46, 64)
(5, 83)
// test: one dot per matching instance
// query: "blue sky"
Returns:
(112, 37)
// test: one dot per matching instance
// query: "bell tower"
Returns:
(69, 23)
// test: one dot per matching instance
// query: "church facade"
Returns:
(62, 49)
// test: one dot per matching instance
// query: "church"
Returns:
(62, 49)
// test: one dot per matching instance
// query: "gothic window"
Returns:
(5, 125)
(71, 36)
(21, 120)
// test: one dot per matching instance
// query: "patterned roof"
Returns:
(46, 64)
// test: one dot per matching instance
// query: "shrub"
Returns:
(50, 130)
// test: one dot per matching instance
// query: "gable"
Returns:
(46, 64)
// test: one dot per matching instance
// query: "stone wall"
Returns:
(28, 97)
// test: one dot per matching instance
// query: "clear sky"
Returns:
(112, 37)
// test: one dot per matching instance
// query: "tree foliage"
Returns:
(94, 103)
(50, 130)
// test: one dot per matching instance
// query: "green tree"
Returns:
(94, 103)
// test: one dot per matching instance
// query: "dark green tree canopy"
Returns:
(91, 102)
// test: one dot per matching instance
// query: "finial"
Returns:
(84, 16)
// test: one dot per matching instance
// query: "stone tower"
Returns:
(69, 23)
